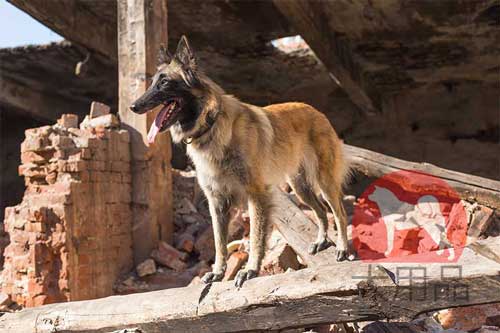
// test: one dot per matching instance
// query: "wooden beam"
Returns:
(481, 190)
(39, 105)
(299, 231)
(339, 292)
(312, 19)
(73, 21)
(142, 28)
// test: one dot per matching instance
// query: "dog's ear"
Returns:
(185, 54)
(164, 57)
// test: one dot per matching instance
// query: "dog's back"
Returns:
(304, 138)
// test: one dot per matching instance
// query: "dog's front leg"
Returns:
(220, 212)
(259, 205)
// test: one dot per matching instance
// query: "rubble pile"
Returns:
(70, 237)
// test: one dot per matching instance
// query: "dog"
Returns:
(399, 215)
(240, 151)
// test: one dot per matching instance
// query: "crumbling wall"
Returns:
(70, 237)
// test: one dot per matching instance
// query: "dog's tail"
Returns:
(344, 172)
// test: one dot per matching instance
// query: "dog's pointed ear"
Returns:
(164, 57)
(185, 54)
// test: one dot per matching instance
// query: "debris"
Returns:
(98, 109)
(5, 301)
(279, 256)
(68, 121)
(234, 263)
(186, 207)
(205, 245)
(147, 267)
(234, 245)
(185, 242)
(480, 220)
(467, 318)
(169, 256)
(106, 121)
(239, 225)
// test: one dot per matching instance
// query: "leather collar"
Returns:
(210, 121)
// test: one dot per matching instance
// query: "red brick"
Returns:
(32, 157)
(62, 142)
(169, 256)
(68, 121)
(234, 263)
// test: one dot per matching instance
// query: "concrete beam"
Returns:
(72, 20)
(312, 19)
(39, 105)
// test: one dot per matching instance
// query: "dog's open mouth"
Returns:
(165, 118)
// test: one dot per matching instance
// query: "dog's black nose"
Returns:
(133, 108)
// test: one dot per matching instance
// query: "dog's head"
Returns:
(174, 86)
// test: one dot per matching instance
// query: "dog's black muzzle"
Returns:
(148, 101)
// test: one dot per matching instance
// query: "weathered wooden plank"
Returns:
(482, 190)
(311, 19)
(142, 28)
(75, 22)
(299, 231)
(332, 293)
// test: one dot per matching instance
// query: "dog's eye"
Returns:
(163, 81)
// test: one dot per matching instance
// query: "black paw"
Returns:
(212, 277)
(319, 246)
(243, 276)
(341, 255)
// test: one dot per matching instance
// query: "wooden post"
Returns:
(142, 28)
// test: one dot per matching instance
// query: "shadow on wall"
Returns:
(12, 126)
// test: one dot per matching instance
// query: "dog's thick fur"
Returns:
(244, 150)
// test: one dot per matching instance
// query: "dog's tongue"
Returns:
(155, 126)
(153, 131)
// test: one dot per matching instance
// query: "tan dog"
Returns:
(241, 150)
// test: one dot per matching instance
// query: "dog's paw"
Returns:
(341, 255)
(212, 277)
(243, 276)
(319, 246)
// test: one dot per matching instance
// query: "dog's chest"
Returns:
(221, 170)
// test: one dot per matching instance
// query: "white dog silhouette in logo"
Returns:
(399, 215)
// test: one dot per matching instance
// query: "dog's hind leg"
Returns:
(305, 192)
(220, 212)
(333, 195)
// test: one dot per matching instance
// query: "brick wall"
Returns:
(71, 236)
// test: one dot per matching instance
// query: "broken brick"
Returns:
(169, 256)
(68, 121)
(98, 109)
(234, 264)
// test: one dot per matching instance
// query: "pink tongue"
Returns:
(153, 131)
